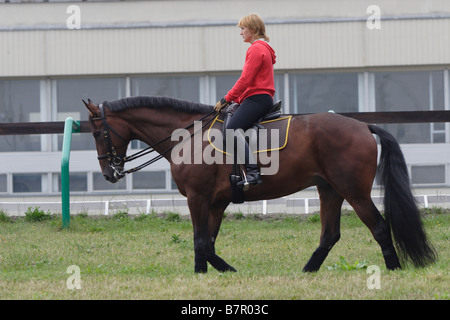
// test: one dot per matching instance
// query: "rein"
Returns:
(116, 159)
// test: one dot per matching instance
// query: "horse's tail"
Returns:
(400, 207)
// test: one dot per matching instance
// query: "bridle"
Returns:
(117, 161)
(114, 159)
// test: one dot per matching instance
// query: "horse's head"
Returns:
(112, 137)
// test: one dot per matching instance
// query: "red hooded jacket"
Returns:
(257, 73)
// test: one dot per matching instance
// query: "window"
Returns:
(411, 91)
(71, 91)
(434, 174)
(77, 182)
(27, 182)
(20, 102)
(173, 185)
(149, 180)
(3, 183)
(180, 87)
(321, 92)
(224, 84)
(101, 184)
(279, 90)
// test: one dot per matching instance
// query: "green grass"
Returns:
(151, 257)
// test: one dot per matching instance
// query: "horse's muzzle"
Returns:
(114, 174)
(110, 178)
(118, 173)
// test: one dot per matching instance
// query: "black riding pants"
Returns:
(250, 111)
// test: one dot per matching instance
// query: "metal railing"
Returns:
(57, 127)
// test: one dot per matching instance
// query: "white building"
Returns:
(343, 55)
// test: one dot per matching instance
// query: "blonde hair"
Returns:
(255, 24)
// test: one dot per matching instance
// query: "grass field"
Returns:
(151, 257)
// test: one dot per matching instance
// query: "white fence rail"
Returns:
(179, 205)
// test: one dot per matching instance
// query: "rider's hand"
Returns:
(221, 104)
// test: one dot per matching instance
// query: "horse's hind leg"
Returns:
(330, 215)
(369, 214)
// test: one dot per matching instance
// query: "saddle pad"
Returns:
(280, 126)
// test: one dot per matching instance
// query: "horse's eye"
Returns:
(96, 134)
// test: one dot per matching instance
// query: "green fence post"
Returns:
(70, 127)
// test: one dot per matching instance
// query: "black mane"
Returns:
(155, 102)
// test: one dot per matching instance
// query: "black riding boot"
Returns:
(252, 177)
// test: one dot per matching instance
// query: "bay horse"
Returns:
(336, 154)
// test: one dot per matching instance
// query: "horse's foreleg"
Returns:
(330, 215)
(215, 219)
(199, 210)
(206, 223)
(219, 264)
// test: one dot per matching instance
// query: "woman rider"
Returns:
(254, 89)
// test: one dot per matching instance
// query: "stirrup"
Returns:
(246, 183)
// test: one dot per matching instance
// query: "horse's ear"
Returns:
(90, 107)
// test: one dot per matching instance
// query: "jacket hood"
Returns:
(267, 45)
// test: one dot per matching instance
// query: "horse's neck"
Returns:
(153, 127)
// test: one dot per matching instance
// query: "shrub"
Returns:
(173, 216)
(120, 215)
(4, 217)
(314, 218)
(36, 214)
(176, 238)
(342, 264)
(238, 215)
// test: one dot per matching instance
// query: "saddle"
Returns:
(272, 121)
(274, 113)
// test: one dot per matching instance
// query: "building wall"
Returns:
(201, 36)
